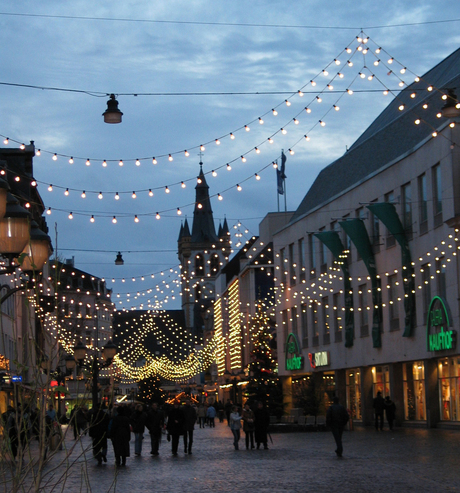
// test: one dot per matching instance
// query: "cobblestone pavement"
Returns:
(405, 460)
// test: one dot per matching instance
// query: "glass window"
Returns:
(284, 315)
(406, 193)
(326, 320)
(294, 321)
(338, 318)
(437, 194)
(312, 255)
(390, 239)
(301, 247)
(423, 204)
(414, 391)
(441, 277)
(375, 234)
(304, 322)
(381, 380)
(292, 265)
(363, 310)
(426, 289)
(393, 301)
(449, 382)
(314, 323)
(354, 393)
(282, 266)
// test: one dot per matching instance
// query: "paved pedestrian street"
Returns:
(405, 460)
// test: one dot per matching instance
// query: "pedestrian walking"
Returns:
(98, 430)
(175, 426)
(235, 426)
(211, 415)
(379, 406)
(154, 423)
(137, 421)
(336, 418)
(390, 411)
(120, 433)
(248, 425)
(261, 424)
(201, 415)
(189, 425)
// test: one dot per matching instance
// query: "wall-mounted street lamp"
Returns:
(112, 114)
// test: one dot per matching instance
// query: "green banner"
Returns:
(357, 232)
(386, 212)
(332, 241)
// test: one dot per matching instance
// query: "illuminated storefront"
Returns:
(449, 385)
(414, 391)
(354, 393)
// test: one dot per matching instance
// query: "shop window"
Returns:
(353, 384)
(449, 381)
(414, 391)
(381, 380)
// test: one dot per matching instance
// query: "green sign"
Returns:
(293, 356)
(438, 335)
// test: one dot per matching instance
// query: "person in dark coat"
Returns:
(155, 422)
(248, 425)
(336, 418)
(98, 430)
(390, 411)
(189, 425)
(379, 406)
(138, 419)
(261, 424)
(120, 433)
(175, 426)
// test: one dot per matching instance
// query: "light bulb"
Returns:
(214, 173)
(318, 99)
(66, 193)
(154, 161)
(291, 152)
(270, 140)
(6, 141)
(70, 216)
(274, 112)
(325, 73)
(182, 184)
(55, 157)
(170, 158)
(425, 106)
(219, 196)
(117, 197)
(134, 195)
(238, 187)
(232, 136)
(187, 154)
(257, 150)
(313, 83)
(417, 122)
(33, 183)
(308, 110)
(138, 163)
(401, 107)
(403, 70)
(200, 206)
(350, 63)
(202, 147)
(150, 192)
(228, 167)
(179, 212)
(390, 61)
(100, 196)
(337, 108)
(217, 142)
(104, 163)
(323, 124)
(136, 219)
(300, 93)
(49, 211)
(50, 188)
(120, 163)
(296, 121)
(385, 92)
(92, 219)
(22, 147)
(257, 176)
(261, 121)
(349, 91)
(71, 160)
(330, 87)
(247, 128)
(243, 159)
(88, 162)
(307, 138)
(370, 77)
(157, 215)
(378, 50)
(114, 220)
(283, 131)
(288, 103)
(167, 190)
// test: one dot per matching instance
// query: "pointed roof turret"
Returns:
(203, 230)
(225, 231)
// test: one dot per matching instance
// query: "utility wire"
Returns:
(229, 24)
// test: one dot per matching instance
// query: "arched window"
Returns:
(199, 265)
(215, 264)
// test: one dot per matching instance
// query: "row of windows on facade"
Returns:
(309, 314)
(84, 311)
(294, 264)
(79, 283)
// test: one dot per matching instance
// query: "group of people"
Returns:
(255, 425)
(381, 406)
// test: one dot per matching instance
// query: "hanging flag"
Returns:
(280, 176)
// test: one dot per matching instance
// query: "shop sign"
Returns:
(293, 356)
(318, 359)
(16, 378)
(438, 335)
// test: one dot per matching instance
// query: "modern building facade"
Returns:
(367, 271)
